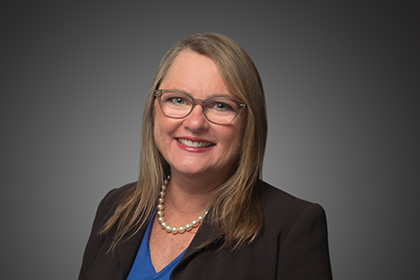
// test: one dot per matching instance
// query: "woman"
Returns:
(199, 209)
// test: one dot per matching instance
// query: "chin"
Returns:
(190, 172)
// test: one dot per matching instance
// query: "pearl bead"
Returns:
(161, 219)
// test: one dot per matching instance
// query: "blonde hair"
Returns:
(237, 207)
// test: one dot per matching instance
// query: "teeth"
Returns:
(192, 144)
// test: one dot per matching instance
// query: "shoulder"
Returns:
(115, 195)
(283, 211)
(97, 247)
(276, 198)
(298, 229)
(110, 202)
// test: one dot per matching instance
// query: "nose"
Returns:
(196, 120)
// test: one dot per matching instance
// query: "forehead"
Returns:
(195, 74)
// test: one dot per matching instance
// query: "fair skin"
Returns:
(196, 173)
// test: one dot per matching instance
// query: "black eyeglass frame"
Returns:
(159, 92)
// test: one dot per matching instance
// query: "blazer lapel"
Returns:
(203, 235)
(127, 251)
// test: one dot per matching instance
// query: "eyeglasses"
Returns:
(219, 110)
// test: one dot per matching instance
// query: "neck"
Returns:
(191, 195)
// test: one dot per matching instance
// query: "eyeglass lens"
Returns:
(178, 105)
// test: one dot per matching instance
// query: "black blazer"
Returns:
(292, 245)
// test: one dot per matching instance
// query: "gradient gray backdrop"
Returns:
(341, 84)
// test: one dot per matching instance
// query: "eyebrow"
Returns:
(213, 95)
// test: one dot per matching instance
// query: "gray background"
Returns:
(341, 84)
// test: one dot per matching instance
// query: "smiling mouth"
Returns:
(194, 144)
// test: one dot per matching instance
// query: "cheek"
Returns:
(159, 133)
(156, 132)
(163, 130)
(159, 130)
(240, 134)
(232, 140)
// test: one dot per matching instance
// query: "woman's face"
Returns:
(198, 76)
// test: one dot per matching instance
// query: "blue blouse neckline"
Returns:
(143, 268)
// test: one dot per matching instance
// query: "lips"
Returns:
(194, 144)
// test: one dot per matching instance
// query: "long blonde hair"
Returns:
(237, 207)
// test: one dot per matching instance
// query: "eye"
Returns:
(177, 100)
(221, 106)
(174, 99)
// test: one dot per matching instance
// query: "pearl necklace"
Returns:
(161, 219)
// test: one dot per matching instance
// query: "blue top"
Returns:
(143, 269)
